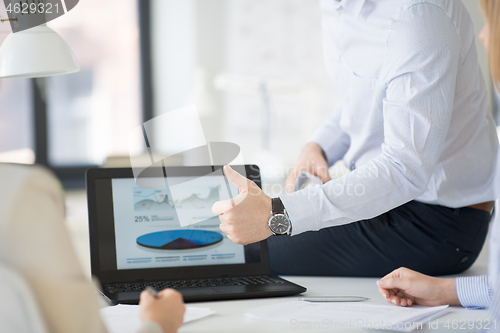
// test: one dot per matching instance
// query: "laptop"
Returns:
(163, 234)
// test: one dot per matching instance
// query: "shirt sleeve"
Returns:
(45, 256)
(495, 303)
(474, 292)
(19, 310)
(420, 72)
(332, 140)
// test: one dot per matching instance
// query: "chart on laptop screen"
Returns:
(172, 226)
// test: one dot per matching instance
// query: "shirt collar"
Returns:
(353, 6)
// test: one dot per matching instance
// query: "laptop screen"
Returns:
(167, 227)
(172, 226)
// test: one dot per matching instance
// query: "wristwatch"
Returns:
(279, 223)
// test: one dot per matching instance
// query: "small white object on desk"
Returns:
(306, 315)
(125, 318)
(334, 299)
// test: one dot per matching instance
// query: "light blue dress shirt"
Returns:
(477, 292)
(413, 122)
(474, 292)
(495, 310)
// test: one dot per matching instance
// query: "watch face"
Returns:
(279, 224)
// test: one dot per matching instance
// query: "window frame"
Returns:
(74, 176)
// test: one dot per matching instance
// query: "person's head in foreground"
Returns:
(406, 287)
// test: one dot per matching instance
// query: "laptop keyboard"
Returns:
(238, 281)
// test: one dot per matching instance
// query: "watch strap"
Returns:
(277, 206)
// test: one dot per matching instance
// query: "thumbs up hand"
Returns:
(245, 217)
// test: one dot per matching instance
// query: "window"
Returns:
(16, 114)
(91, 112)
(16, 121)
(73, 122)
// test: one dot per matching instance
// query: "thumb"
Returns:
(395, 281)
(220, 207)
(146, 297)
(237, 179)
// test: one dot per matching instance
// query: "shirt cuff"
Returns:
(150, 327)
(473, 292)
(304, 214)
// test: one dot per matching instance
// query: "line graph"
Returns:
(198, 197)
(193, 202)
(148, 199)
(185, 197)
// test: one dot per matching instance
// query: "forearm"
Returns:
(366, 192)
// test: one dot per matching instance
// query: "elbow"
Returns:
(416, 182)
(420, 187)
(416, 175)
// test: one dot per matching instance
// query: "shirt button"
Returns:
(342, 59)
(464, 259)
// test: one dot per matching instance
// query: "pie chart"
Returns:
(179, 239)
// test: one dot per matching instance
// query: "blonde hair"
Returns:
(491, 10)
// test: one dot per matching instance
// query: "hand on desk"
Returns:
(406, 287)
(312, 159)
(167, 310)
(245, 217)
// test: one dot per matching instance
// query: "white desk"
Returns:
(229, 314)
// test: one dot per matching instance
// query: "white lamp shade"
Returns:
(36, 52)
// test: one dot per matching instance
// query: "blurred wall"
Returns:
(478, 19)
(266, 56)
(263, 43)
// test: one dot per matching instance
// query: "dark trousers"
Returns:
(430, 239)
